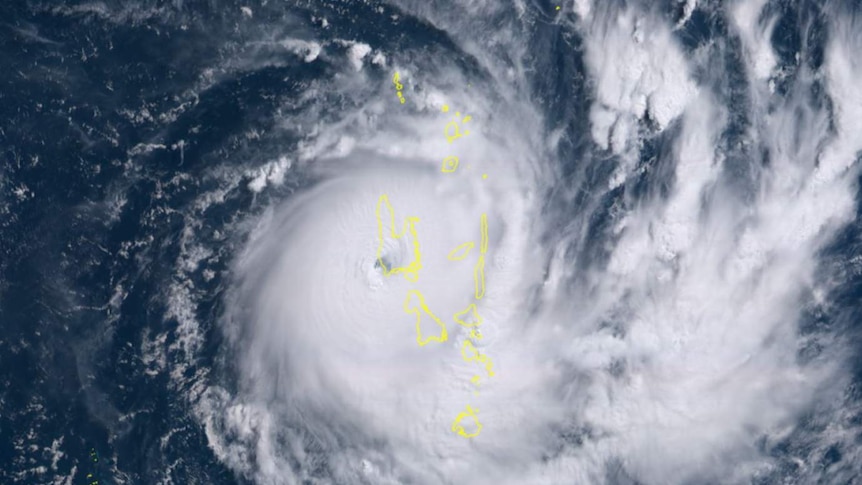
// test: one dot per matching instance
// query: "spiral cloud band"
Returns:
(641, 315)
(344, 280)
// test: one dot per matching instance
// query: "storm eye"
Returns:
(386, 262)
(395, 253)
(390, 260)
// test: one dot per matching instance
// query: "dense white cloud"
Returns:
(668, 362)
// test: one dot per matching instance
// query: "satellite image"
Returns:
(430, 242)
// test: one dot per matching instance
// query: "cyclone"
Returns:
(326, 323)
(660, 354)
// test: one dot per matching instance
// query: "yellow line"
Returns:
(410, 272)
(466, 346)
(479, 270)
(423, 308)
(479, 278)
(456, 425)
(475, 321)
(461, 251)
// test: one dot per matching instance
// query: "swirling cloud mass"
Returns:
(657, 228)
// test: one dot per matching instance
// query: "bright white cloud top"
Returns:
(663, 346)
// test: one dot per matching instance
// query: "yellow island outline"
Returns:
(457, 427)
(415, 304)
(409, 307)
(411, 271)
